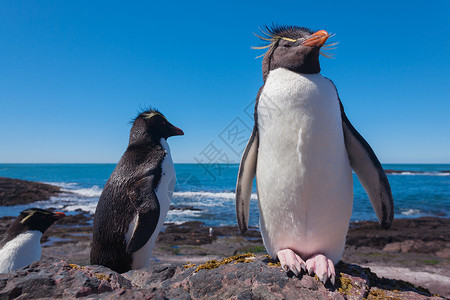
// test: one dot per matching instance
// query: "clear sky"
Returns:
(74, 73)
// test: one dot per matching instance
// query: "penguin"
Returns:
(21, 244)
(136, 198)
(302, 151)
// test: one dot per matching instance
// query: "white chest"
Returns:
(303, 175)
(168, 179)
(20, 251)
(291, 102)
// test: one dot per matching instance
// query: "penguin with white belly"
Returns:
(136, 198)
(302, 151)
(21, 244)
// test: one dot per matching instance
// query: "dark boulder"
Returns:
(17, 191)
(239, 277)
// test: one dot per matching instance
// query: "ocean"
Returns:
(205, 192)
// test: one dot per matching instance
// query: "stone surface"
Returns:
(424, 233)
(58, 279)
(239, 277)
(16, 191)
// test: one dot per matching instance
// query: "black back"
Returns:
(30, 219)
(130, 191)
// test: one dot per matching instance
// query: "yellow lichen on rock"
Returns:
(188, 265)
(345, 284)
(275, 264)
(74, 266)
(212, 264)
(101, 276)
(376, 294)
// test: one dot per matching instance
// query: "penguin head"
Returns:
(152, 125)
(36, 219)
(293, 48)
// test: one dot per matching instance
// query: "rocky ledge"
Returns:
(240, 277)
(17, 191)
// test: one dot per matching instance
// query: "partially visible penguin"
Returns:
(21, 244)
(302, 151)
(136, 197)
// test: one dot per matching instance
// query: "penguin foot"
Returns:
(291, 262)
(321, 266)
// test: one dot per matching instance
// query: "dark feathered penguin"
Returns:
(301, 150)
(21, 244)
(136, 197)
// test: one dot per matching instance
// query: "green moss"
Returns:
(174, 250)
(431, 262)
(254, 249)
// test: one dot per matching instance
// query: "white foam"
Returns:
(64, 185)
(184, 213)
(422, 174)
(411, 211)
(91, 192)
(221, 195)
(89, 207)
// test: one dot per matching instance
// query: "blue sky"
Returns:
(74, 73)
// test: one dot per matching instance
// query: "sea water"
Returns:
(206, 191)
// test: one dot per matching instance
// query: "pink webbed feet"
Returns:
(322, 267)
(291, 262)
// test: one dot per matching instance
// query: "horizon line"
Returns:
(193, 163)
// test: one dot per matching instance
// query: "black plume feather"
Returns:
(275, 31)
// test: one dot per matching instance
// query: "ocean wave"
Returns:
(408, 173)
(64, 185)
(183, 213)
(94, 191)
(88, 207)
(411, 211)
(204, 194)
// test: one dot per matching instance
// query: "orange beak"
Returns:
(58, 215)
(317, 39)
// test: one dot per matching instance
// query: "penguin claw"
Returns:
(322, 267)
(295, 270)
(291, 262)
(303, 266)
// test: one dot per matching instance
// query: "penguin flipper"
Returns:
(244, 185)
(142, 195)
(370, 172)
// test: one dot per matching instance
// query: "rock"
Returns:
(239, 277)
(189, 233)
(183, 208)
(414, 246)
(195, 233)
(58, 279)
(261, 278)
(78, 219)
(426, 229)
(444, 253)
(16, 191)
